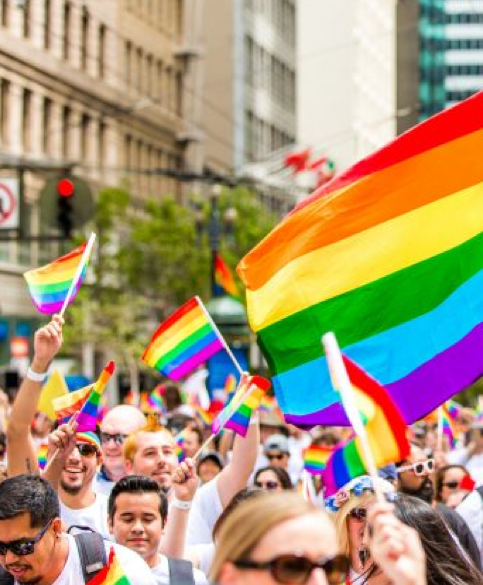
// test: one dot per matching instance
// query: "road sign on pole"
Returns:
(9, 204)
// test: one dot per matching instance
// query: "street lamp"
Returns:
(216, 227)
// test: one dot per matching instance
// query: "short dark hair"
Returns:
(32, 494)
(137, 484)
(282, 475)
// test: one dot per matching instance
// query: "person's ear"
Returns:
(57, 527)
(110, 524)
(129, 466)
(229, 574)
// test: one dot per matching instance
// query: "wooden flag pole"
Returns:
(342, 384)
(72, 424)
(80, 268)
(220, 337)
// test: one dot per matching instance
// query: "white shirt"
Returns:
(205, 510)
(471, 509)
(134, 567)
(93, 516)
(161, 574)
(103, 486)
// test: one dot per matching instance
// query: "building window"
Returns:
(66, 28)
(101, 158)
(27, 120)
(139, 68)
(128, 63)
(149, 76)
(4, 111)
(127, 150)
(66, 131)
(47, 23)
(47, 126)
(26, 18)
(159, 81)
(84, 136)
(5, 12)
(101, 51)
(84, 38)
(179, 93)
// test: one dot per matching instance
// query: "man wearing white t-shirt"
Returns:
(33, 547)
(72, 473)
(153, 454)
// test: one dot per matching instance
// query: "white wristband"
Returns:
(35, 376)
(180, 504)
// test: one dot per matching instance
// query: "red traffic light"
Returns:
(65, 188)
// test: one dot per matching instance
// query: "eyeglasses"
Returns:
(278, 456)
(118, 438)
(268, 485)
(290, 569)
(87, 450)
(419, 468)
(358, 514)
(452, 485)
(23, 546)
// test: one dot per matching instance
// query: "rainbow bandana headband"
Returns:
(89, 438)
(355, 487)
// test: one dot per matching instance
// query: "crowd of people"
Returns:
(237, 512)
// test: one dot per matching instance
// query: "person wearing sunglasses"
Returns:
(415, 478)
(272, 478)
(277, 452)
(278, 539)
(452, 480)
(120, 422)
(33, 546)
(350, 507)
(72, 473)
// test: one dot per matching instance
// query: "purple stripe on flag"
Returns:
(236, 427)
(196, 360)
(424, 389)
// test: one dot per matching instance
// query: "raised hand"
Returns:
(185, 481)
(47, 342)
(62, 441)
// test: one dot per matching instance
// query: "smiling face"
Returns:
(155, 457)
(78, 472)
(30, 569)
(137, 524)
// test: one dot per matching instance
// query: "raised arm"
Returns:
(236, 474)
(22, 457)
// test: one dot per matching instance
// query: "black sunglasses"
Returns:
(22, 546)
(358, 513)
(86, 450)
(118, 438)
(268, 485)
(289, 568)
(452, 485)
(278, 456)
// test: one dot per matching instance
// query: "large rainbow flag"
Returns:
(48, 285)
(183, 342)
(389, 256)
(384, 426)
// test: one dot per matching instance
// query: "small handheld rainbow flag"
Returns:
(50, 285)
(67, 405)
(111, 574)
(155, 399)
(224, 281)
(454, 409)
(315, 458)
(87, 419)
(448, 426)
(236, 415)
(385, 430)
(184, 341)
(42, 456)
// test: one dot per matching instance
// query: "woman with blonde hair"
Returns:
(278, 538)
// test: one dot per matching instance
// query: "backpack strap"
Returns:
(180, 572)
(5, 577)
(92, 553)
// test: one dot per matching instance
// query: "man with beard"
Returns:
(72, 473)
(35, 550)
(415, 478)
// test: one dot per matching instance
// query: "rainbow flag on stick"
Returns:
(236, 415)
(184, 341)
(54, 286)
(381, 441)
(390, 253)
(67, 405)
(224, 281)
(111, 574)
(315, 458)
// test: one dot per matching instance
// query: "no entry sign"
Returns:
(9, 204)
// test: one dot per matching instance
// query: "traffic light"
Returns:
(65, 193)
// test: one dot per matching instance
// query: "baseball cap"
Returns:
(276, 443)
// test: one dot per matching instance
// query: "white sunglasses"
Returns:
(419, 468)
